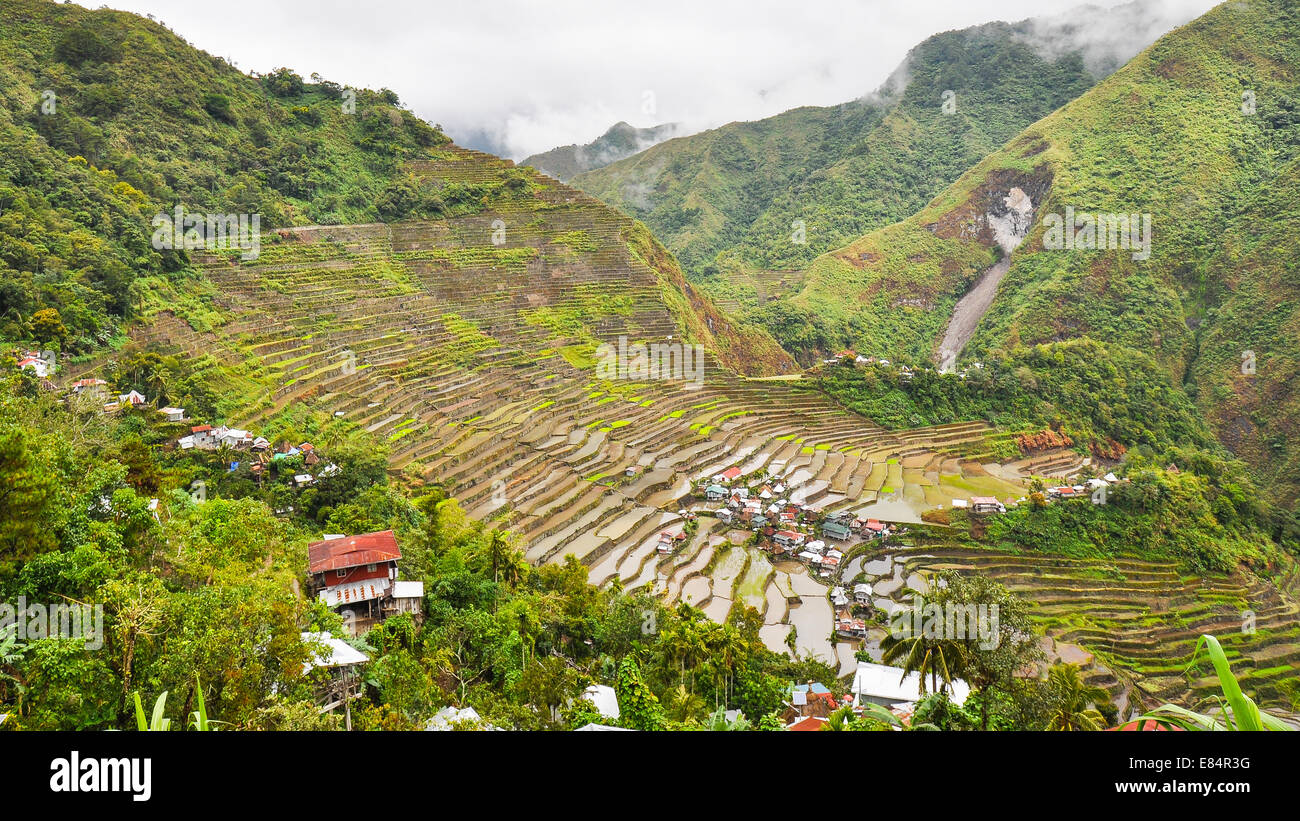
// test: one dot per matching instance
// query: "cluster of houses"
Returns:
(98, 389)
(847, 625)
(1093, 489)
(787, 528)
(905, 373)
(261, 453)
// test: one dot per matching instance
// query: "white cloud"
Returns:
(519, 76)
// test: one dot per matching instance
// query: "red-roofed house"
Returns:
(809, 724)
(1148, 725)
(789, 539)
(357, 575)
(728, 475)
(873, 527)
(203, 435)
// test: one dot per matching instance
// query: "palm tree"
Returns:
(683, 704)
(1236, 710)
(942, 660)
(1074, 700)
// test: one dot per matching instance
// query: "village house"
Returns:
(715, 492)
(810, 557)
(173, 414)
(839, 598)
(789, 539)
(831, 560)
(1065, 492)
(862, 593)
(873, 529)
(203, 436)
(133, 398)
(836, 529)
(233, 437)
(889, 687)
(89, 386)
(850, 628)
(357, 576)
(340, 658)
(808, 706)
(41, 365)
(727, 476)
(668, 541)
(987, 504)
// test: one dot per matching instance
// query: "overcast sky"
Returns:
(521, 76)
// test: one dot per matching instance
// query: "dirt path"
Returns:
(968, 313)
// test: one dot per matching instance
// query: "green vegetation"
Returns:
(210, 589)
(1167, 135)
(1106, 398)
(109, 118)
(1235, 710)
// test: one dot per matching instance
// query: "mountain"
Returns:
(92, 153)
(1194, 141)
(621, 140)
(747, 205)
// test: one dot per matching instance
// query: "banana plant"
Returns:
(157, 722)
(199, 718)
(1237, 711)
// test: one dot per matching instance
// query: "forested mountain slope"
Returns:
(1197, 140)
(746, 205)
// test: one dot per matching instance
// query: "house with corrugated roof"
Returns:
(357, 576)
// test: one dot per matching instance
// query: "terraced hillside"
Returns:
(474, 361)
(1140, 620)
(1196, 139)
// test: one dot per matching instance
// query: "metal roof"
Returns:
(352, 551)
(337, 653)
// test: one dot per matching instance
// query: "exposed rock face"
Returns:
(1006, 224)
(1012, 224)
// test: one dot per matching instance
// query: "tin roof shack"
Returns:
(890, 687)
(357, 576)
(987, 504)
(341, 657)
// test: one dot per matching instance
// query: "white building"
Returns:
(888, 687)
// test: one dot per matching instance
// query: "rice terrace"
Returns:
(940, 375)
